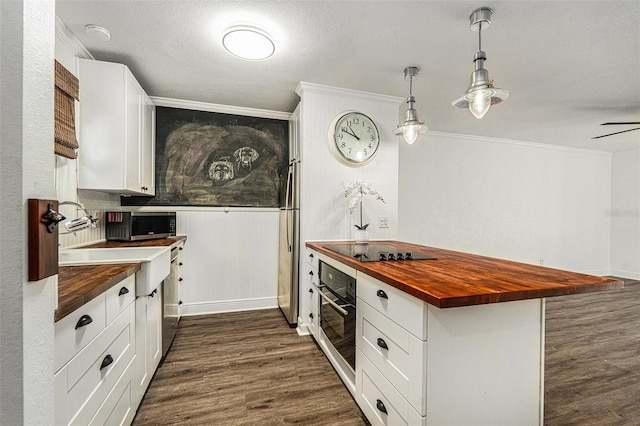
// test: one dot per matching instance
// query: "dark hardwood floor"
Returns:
(246, 368)
(250, 368)
(592, 358)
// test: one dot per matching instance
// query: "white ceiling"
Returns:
(569, 65)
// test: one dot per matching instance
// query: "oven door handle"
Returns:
(331, 302)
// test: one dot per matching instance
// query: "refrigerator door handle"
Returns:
(287, 206)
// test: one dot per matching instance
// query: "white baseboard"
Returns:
(219, 306)
(625, 274)
(302, 328)
(598, 272)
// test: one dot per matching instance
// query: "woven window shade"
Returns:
(66, 93)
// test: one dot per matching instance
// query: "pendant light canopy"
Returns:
(411, 127)
(481, 94)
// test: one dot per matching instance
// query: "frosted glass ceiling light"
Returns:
(411, 127)
(481, 93)
(248, 43)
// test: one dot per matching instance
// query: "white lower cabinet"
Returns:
(148, 341)
(89, 376)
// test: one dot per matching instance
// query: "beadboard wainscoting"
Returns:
(230, 259)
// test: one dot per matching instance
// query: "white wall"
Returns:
(324, 210)
(26, 308)
(507, 199)
(230, 259)
(625, 214)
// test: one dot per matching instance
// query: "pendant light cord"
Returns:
(480, 36)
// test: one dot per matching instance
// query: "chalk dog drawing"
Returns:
(245, 157)
(221, 170)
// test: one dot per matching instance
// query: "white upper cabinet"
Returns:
(117, 135)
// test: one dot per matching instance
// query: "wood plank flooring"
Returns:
(592, 358)
(250, 368)
(246, 368)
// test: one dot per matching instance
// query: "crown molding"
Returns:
(519, 142)
(65, 36)
(304, 87)
(225, 109)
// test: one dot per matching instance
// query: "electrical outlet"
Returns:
(541, 262)
(383, 222)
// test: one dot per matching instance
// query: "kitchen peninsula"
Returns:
(458, 339)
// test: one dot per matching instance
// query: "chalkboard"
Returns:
(214, 159)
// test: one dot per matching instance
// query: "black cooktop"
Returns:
(376, 253)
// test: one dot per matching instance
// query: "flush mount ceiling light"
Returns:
(248, 43)
(411, 127)
(97, 32)
(481, 93)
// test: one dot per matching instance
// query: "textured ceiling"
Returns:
(568, 65)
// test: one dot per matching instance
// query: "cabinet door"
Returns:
(148, 341)
(134, 108)
(154, 320)
(147, 148)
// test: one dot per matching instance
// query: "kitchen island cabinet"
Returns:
(456, 340)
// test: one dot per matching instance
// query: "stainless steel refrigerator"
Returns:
(289, 252)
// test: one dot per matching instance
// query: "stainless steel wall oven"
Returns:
(338, 311)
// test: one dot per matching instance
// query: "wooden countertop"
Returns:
(161, 242)
(79, 284)
(461, 279)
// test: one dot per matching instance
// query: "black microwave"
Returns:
(136, 226)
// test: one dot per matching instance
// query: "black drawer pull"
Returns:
(311, 290)
(107, 361)
(84, 320)
(380, 406)
(311, 315)
(123, 291)
(382, 294)
(382, 344)
(311, 273)
(153, 293)
(180, 248)
(310, 255)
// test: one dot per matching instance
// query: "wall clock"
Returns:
(353, 138)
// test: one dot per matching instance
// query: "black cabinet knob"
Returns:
(380, 406)
(311, 290)
(180, 302)
(180, 248)
(382, 344)
(310, 255)
(107, 361)
(311, 273)
(179, 279)
(180, 264)
(123, 291)
(84, 320)
(311, 315)
(382, 294)
(153, 293)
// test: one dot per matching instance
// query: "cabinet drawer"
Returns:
(84, 383)
(312, 259)
(69, 340)
(118, 408)
(119, 297)
(375, 395)
(397, 354)
(408, 311)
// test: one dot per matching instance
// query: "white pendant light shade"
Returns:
(411, 127)
(248, 43)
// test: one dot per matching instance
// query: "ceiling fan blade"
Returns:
(620, 123)
(616, 133)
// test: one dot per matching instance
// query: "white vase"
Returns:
(361, 236)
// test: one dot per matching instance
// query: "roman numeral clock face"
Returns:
(354, 138)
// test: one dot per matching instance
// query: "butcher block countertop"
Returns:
(460, 279)
(161, 242)
(79, 284)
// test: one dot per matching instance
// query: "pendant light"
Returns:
(411, 127)
(481, 93)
